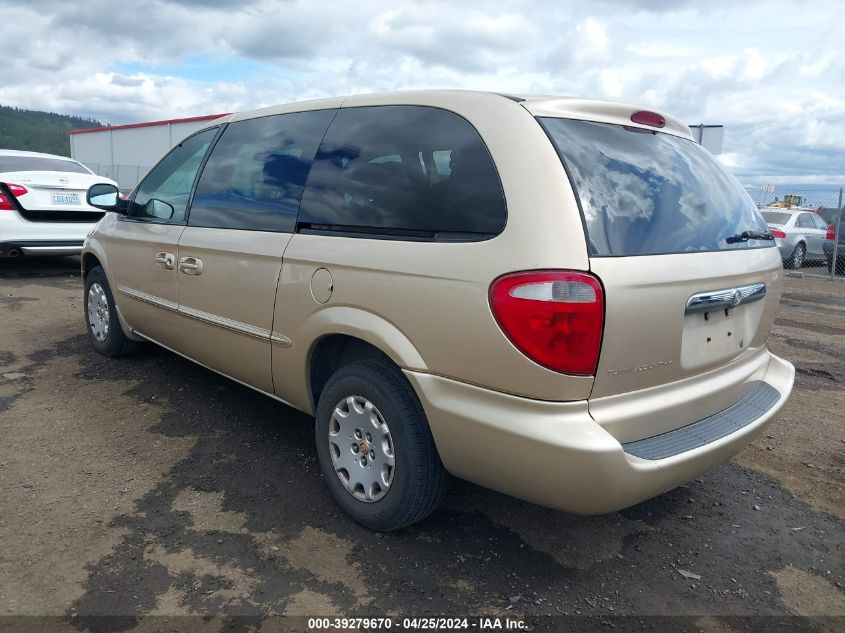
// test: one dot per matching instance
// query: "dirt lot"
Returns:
(148, 485)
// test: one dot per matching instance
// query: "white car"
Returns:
(43, 210)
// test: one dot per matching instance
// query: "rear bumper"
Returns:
(19, 236)
(785, 249)
(555, 454)
(41, 247)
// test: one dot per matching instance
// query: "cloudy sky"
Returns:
(772, 72)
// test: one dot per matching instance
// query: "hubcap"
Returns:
(98, 312)
(361, 448)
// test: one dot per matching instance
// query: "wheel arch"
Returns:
(332, 352)
(341, 335)
(89, 261)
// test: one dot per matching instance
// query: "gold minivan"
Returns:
(565, 300)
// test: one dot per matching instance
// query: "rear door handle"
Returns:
(165, 260)
(190, 265)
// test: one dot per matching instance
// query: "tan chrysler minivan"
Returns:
(565, 300)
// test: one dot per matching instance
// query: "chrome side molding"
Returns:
(727, 298)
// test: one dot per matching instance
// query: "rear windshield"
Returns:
(36, 163)
(776, 218)
(649, 193)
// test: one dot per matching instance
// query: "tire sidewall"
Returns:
(376, 514)
(797, 259)
(110, 345)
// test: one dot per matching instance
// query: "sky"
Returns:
(772, 72)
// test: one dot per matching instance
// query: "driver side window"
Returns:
(163, 194)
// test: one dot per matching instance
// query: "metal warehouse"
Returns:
(126, 152)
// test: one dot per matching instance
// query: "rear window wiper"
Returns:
(748, 235)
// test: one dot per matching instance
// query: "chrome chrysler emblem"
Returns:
(736, 299)
(63, 180)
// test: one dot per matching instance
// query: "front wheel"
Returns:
(375, 447)
(101, 320)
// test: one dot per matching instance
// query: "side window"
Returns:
(256, 172)
(404, 171)
(805, 221)
(164, 192)
(820, 223)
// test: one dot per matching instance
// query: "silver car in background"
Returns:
(799, 235)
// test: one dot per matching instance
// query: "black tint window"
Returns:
(648, 193)
(404, 170)
(256, 172)
(164, 192)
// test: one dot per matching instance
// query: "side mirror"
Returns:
(160, 209)
(103, 196)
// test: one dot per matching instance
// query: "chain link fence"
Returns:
(808, 245)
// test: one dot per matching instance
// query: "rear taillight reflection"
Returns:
(777, 233)
(5, 203)
(553, 317)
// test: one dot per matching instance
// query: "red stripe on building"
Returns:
(205, 117)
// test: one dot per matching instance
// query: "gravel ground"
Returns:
(147, 485)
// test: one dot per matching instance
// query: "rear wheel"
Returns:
(375, 447)
(104, 330)
(796, 260)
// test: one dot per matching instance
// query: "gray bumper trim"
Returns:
(759, 400)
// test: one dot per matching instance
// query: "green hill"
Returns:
(39, 131)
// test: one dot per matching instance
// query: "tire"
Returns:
(417, 480)
(796, 260)
(106, 334)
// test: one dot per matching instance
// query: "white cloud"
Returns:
(772, 72)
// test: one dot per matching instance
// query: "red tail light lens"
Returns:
(644, 117)
(553, 317)
(831, 233)
(17, 190)
(5, 203)
(777, 233)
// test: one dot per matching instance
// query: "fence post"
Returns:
(836, 238)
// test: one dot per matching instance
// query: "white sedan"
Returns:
(43, 208)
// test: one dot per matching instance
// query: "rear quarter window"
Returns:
(651, 193)
(404, 172)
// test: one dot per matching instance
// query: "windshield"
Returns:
(649, 193)
(37, 163)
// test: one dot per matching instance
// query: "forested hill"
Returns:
(39, 131)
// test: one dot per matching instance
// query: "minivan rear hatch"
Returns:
(690, 274)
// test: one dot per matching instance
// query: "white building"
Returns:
(126, 152)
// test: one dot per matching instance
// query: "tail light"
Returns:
(831, 233)
(777, 233)
(17, 190)
(5, 203)
(553, 317)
